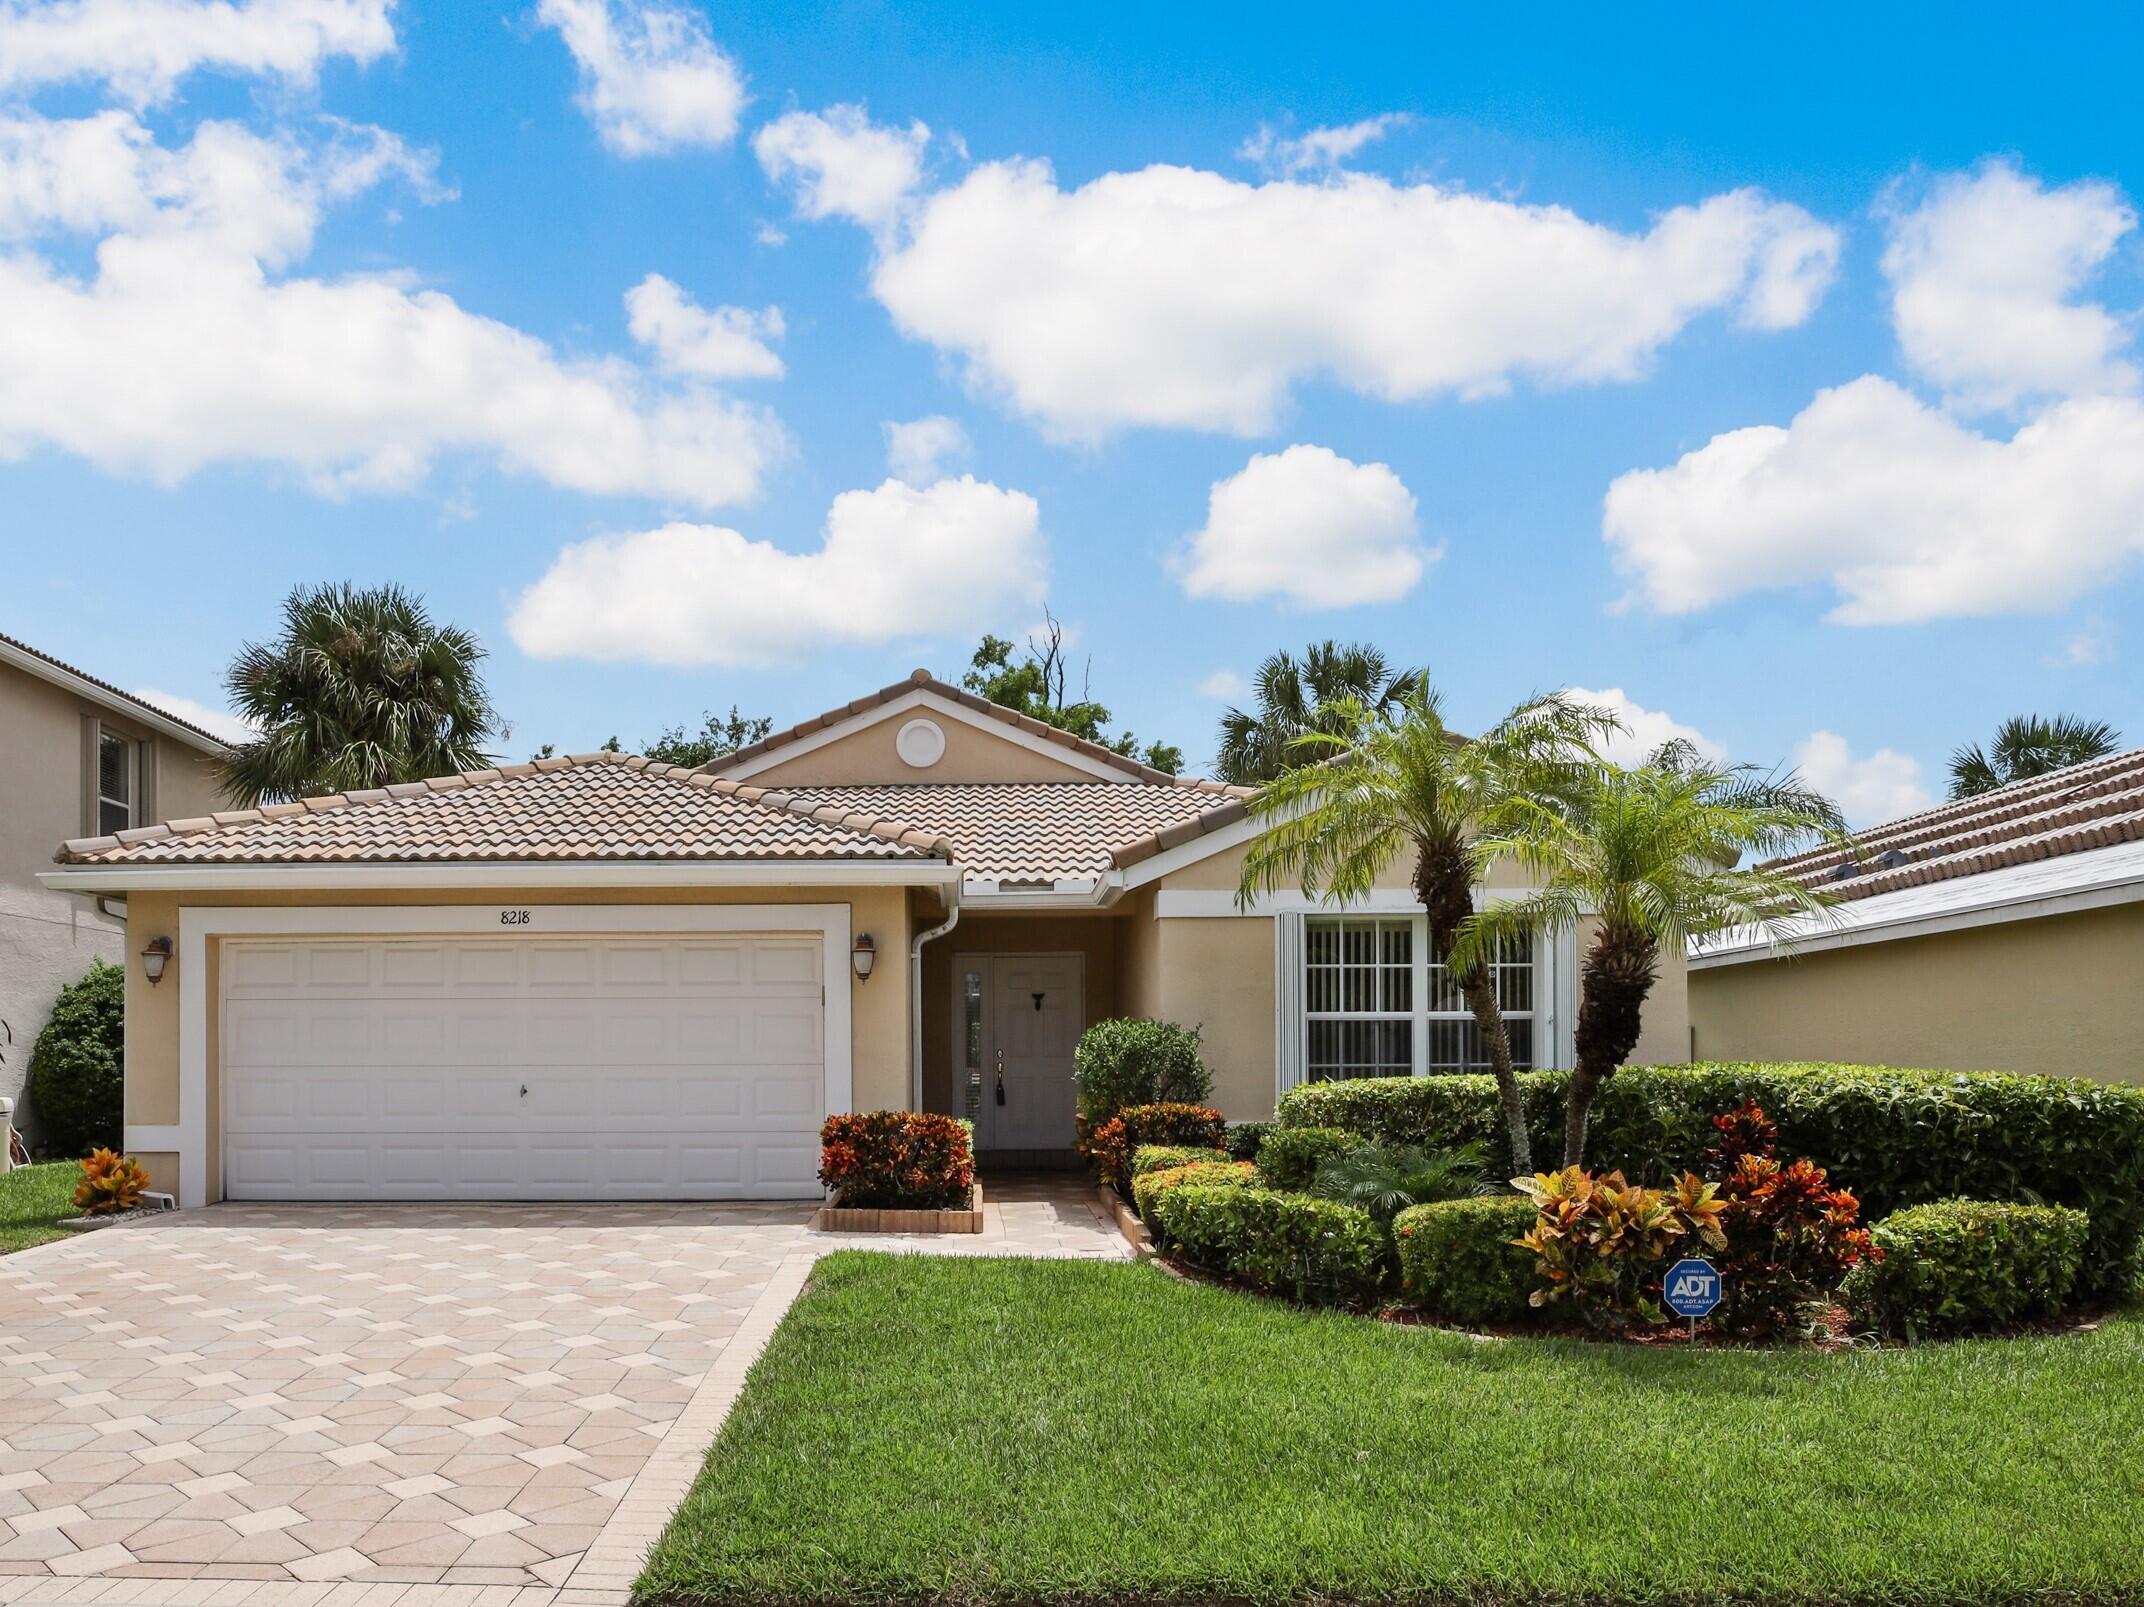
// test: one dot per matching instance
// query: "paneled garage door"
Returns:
(523, 1068)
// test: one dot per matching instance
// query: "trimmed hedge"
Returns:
(1291, 1156)
(1288, 1243)
(1959, 1266)
(1896, 1138)
(76, 1084)
(1215, 1173)
(898, 1160)
(1244, 1139)
(1457, 1260)
(1133, 1061)
(1167, 1157)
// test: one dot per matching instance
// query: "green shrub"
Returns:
(1958, 1266)
(1110, 1146)
(1132, 1061)
(1291, 1156)
(76, 1067)
(1244, 1139)
(1146, 1189)
(1385, 1179)
(1288, 1243)
(1166, 1157)
(1458, 1260)
(1895, 1138)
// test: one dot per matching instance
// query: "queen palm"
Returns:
(1298, 695)
(359, 689)
(1650, 856)
(1399, 781)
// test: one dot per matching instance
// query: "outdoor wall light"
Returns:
(154, 958)
(864, 956)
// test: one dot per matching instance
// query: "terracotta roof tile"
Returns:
(597, 806)
(1039, 830)
(2087, 806)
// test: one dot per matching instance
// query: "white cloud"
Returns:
(142, 48)
(1321, 150)
(1904, 512)
(356, 382)
(1308, 527)
(217, 722)
(1983, 271)
(896, 562)
(840, 164)
(1177, 297)
(718, 343)
(1644, 730)
(916, 449)
(652, 77)
(1868, 791)
(1225, 686)
(2092, 645)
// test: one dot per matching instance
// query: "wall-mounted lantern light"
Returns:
(864, 956)
(154, 958)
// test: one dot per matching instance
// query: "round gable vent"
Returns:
(920, 744)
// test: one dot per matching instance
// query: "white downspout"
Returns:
(915, 995)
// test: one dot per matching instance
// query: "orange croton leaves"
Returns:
(110, 1183)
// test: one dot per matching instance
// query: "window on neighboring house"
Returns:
(117, 787)
(1375, 1005)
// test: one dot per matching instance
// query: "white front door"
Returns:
(1023, 1014)
(594, 1068)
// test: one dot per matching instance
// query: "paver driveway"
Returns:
(415, 1395)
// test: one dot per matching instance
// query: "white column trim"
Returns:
(1289, 1024)
(199, 923)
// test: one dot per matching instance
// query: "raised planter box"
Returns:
(839, 1218)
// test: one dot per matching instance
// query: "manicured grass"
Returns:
(32, 1201)
(977, 1431)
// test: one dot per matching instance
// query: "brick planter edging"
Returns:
(1127, 1220)
(871, 1219)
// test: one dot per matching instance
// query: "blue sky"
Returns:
(348, 298)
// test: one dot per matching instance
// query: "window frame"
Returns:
(100, 800)
(1422, 995)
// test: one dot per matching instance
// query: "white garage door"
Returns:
(523, 1068)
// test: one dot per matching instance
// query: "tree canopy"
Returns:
(1034, 684)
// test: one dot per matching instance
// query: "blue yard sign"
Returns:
(1692, 1288)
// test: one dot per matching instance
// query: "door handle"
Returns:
(1001, 1076)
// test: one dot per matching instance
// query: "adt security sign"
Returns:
(1692, 1288)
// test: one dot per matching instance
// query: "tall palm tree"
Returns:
(1400, 781)
(359, 689)
(2028, 745)
(1650, 855)
(1299, 695)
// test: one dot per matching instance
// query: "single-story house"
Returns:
(78, 757)
(600, 977)
(2004, 931)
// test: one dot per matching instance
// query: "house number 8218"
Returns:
(513, 917)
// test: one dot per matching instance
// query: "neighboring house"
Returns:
(598, 977)
(2004, 932)
(76, 756)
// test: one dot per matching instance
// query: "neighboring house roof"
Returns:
(592, 806)
(1040, 831)
(923, 680)
(2068, 840)
(80, 682)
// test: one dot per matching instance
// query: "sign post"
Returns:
(1692, 1289)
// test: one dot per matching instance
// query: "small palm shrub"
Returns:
(110, 1184)
(1385, 1179)
(76, 1066)
(1133, 1061)
(1961, 1266)
(1601, 1242)
(1460, 1259)
(1111, 1145)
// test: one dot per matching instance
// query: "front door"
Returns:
(1022, 1015)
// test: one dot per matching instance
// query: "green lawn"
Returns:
(32, 1200)
(977, 1431)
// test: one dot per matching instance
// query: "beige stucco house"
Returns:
(598, 977)
(77, 756)
(2003, 932)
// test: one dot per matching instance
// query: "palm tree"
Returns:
(360, 689)
(1650, 856)
(2028, 745)
(1746, 786)
(1299, 695)
(1400, 780)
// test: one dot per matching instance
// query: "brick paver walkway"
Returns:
(285, 1403)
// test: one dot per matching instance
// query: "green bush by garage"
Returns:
(76, 1080)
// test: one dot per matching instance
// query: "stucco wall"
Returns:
(879, 1008)
(48, 939)
(867, 758)
(2060, 995)
(1093, 937)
